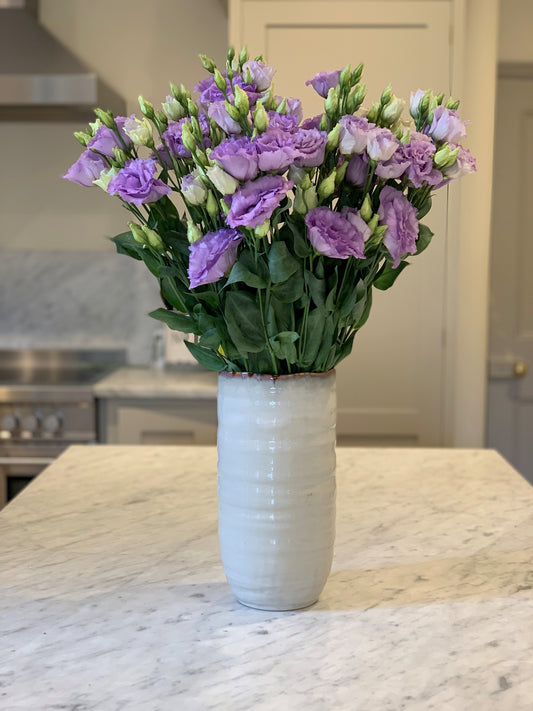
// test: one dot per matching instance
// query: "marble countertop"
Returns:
(168, 383)
(112, 595)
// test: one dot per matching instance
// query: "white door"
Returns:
(510, 392)
(390, 389)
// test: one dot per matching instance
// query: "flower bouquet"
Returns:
(267, 233)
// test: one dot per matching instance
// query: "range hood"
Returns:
(41, 80)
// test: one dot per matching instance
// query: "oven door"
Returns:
(17, 472)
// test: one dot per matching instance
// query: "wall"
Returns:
(53, 230)
(516, 31)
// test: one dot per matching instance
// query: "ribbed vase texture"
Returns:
(276, 486)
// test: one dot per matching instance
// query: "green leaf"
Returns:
(424, 238)
(283, 345)
(245, 270)
(175, 321)
(366, 312)
(243, 318)
(291, 290)
(315, 329)
(317, 288)
(210, 339)
(332, 285)
(424, 209)
(125, 244)
(281, 263)
(387, 275)
(302, 246)
(206, 357)
(170, 293)
(327, 338)
(344, 351)
(207, 297)
(284, 313)
(356, 296)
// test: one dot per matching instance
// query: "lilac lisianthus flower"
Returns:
(323, 82)
(464, 164)
(193, 188)
(283, 122)
(381, 143)
(105, 139)
(294, 108)
(173, 136)
(354, 217)
(334, 234)
(136, 182)
(256, 200)
(399, 215)
(353, 134)
(447, 126)
(217, 112)
(212, 256)
(313, 122)
(420, 168)
(310, 145)
(260, 73)
(275, 150)
(416, 98)
(395, 167)
(357, 169)
(86, 169)
(238, 157)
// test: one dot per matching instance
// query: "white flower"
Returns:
(172, 109)
(105, 177)
(223, 182)
(140, 132)
(193, 189)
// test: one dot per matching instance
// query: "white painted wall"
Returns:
(516, 31)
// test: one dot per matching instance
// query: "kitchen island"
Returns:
(112, 594)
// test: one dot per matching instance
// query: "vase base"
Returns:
(282, 607)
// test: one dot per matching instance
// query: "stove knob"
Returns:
(10, 422)
(31, 423)
(52, 423)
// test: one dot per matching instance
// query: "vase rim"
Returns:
(268, 376)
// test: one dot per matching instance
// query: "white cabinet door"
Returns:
(390, 390)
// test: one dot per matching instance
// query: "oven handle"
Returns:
(24, 461)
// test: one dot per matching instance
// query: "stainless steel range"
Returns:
(46, 404)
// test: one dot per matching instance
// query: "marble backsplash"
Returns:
(67, 299)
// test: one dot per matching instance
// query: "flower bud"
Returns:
(243, 56)
(341, 172)
(247, 76)
(193, 232)
(187, 137)
(94, 126)
(299, 202)
(212, 205)
(175, 91)
(327, 186)
(242, 103)
(146, 108)
(232, 111)
(140, 132)
(224, 206)
(282, 107)
(220, 82)
(406, 137)
(105, 177)
(393, 110)
(154, 240)
(440, 99)
(137, 232)
(345, 76)
(120, 156)
(453, 105)
(172, 109)
(386, 96)
(373, 222)
(359, 96)
(324, 123)
(192, 108)
(231, 54)
(262, 230)
(196, 130)
(193, 189)
(333, 138)
(82, 138)
(311, 198)
(332, 102)
(366, 208)
(373, 113)
(297, 174)
(223, 182)
(207, 63)
(423, 106)
(185, 93)
(261, 119)
(357, 74)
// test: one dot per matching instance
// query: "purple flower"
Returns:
(212, 256)
(395, 167)
(283, 122)
(464, 164)
(354, 134)
(105, 139)
(275, 150)
(354, 217)
(399, 215)
(294, 108)
(420, 168)
(136, 182)
(162, 155)
(357, 169)
(217, 112)
(173, 136)
(256, 200)
(381, 144)
(238, 157)
(310, 145)
(334, 234)
(261, 74)
(312, 122)
(446, 126)
(86, 169)
(324, 81)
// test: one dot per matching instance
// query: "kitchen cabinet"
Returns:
(146, 406)
(391, 389)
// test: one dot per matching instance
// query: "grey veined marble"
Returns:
(112, 594)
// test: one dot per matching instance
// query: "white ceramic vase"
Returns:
(276, 486)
